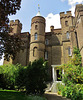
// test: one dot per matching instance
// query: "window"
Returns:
(46, 42)
(46, 55)
(36, 27)
(69, 51)
(35, 51)
(35, 36)
(66, 23)
(68, 35)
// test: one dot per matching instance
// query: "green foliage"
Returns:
(33, 77)
(73, 78)
(76, 60)
(10, 44)
(36, 77)
(8, 75)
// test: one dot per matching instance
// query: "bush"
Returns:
(33, 77)
(73, 78)
(8, 75)
(36, 77)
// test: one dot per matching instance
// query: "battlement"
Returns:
(79, 7)
(16, 22)
(64, 15)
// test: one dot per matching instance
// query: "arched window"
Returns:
(46, 55)
(35, 51)
(35, 36)
(46, 42)
(69, 51)
(66, 23)
(68, 35)
(36, 27)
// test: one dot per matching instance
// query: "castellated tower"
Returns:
(66, 22)
(15, 27)
(37, 40)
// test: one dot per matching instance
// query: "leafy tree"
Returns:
(73, 77)
(33, 77)
(8, 74)
(8, 44)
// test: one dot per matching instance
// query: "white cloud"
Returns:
(52, 20)
(73, 3)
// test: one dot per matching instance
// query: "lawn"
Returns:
(15, 95)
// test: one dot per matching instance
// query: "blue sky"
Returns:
(49, 9)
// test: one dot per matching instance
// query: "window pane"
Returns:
(68, 35)
(69, 51)
(35, 36)
(46, 55)
(46, 42)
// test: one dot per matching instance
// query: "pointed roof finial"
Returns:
(38, 7)
(38, 14)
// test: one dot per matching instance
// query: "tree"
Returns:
(33, 77)
(73, 77)
(8, 44)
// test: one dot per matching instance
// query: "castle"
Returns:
(55, 46)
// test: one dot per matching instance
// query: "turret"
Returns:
(15, 27)
(37, 41)
(66, 22)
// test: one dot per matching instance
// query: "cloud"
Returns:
(73, 3)
(52, 20)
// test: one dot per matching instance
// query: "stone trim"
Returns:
(37, 42)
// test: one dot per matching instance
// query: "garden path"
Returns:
(53, 96)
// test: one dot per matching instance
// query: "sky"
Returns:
(50, 9)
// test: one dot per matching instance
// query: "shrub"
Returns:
(8, 75)
(73, 78)
(36, 77)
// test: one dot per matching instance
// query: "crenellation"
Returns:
(55, 43)
(64, 15)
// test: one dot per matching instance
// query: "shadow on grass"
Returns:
(12, 95)
(16, 95)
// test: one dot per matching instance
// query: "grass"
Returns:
(15, 95)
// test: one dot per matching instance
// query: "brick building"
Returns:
(55, 46)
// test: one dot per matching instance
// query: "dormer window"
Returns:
(68, 35)
(66, 23)
(35, 36)
(46, 42)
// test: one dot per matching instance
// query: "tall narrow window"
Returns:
(35, 51)
(69, 51)
(35, 36)
(68, 35)
(46, 55)
(66, 23)
(46, 42)
(36, 27)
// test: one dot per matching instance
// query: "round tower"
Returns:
(37, 39)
